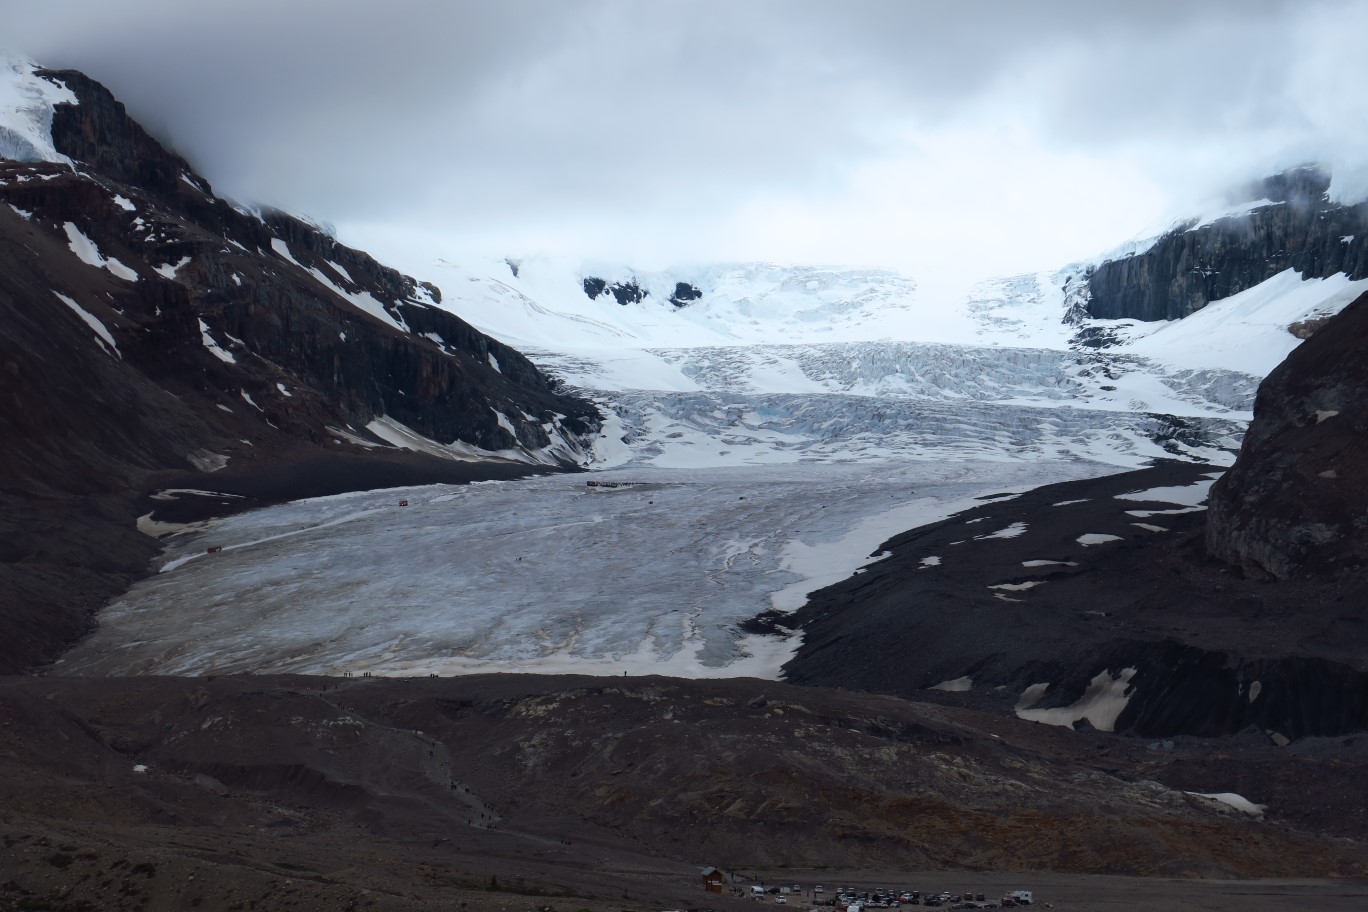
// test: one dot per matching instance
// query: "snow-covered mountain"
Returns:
(761, 363)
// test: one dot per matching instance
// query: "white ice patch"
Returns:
(341, 271)
(1031, 696)
(102, 334)
(825, 563)
(494, 362)
(932, 561)
(361, 300)
(1019, 587)
(1232, 800)
(1101, 704)
(1324, 414)
(1065, 503)
(246, 397)
(169, 270)
(85, 248)
(22, 213)
(1012, 531)
(1150, 527)
(1183, 495)
(1095, 538)
(957, 685)
(397, 434)
(214, 348)
(125, 203)
(282, 249)
(1049, 563)
(283, 390)
(1146, 514)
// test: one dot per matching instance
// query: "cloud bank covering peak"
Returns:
(963, 138)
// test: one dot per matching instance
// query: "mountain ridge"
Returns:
(156, 331)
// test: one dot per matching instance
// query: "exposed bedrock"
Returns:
(1190, 267)
(1296, 500)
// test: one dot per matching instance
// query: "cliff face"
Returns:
(1296, 499)
(153, 329)
(1195, 264)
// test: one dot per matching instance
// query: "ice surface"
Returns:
(26, 103)
(545, 574)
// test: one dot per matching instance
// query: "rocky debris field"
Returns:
(1097, 600)
(293, 792)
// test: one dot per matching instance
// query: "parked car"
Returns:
(782, 900)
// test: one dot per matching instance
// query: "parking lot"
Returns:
(846, 898)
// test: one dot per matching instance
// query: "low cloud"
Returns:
(966, 136)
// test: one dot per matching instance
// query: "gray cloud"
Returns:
(564, 122)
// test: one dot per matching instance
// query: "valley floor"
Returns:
(611, 795)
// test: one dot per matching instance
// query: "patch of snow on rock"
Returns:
(102, 334)
(1095, 538)
(218, 351)
(1183, 495)
(1012, 531)
(956, 685)
(85, 248)
(1232, 800)
(169, 270)
(1101, 704)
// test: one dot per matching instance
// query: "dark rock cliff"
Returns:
(1296, 500)
(153, 331)
(1193, 265)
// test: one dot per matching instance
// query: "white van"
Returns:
(1022, 896)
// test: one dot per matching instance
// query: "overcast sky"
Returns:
(954, 137)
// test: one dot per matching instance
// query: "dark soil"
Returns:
(611, 794)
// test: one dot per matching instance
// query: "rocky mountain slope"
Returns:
(1295, 504)
(575, 792)
(1286, 221)
(158, 336)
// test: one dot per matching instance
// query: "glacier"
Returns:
(761, 442)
